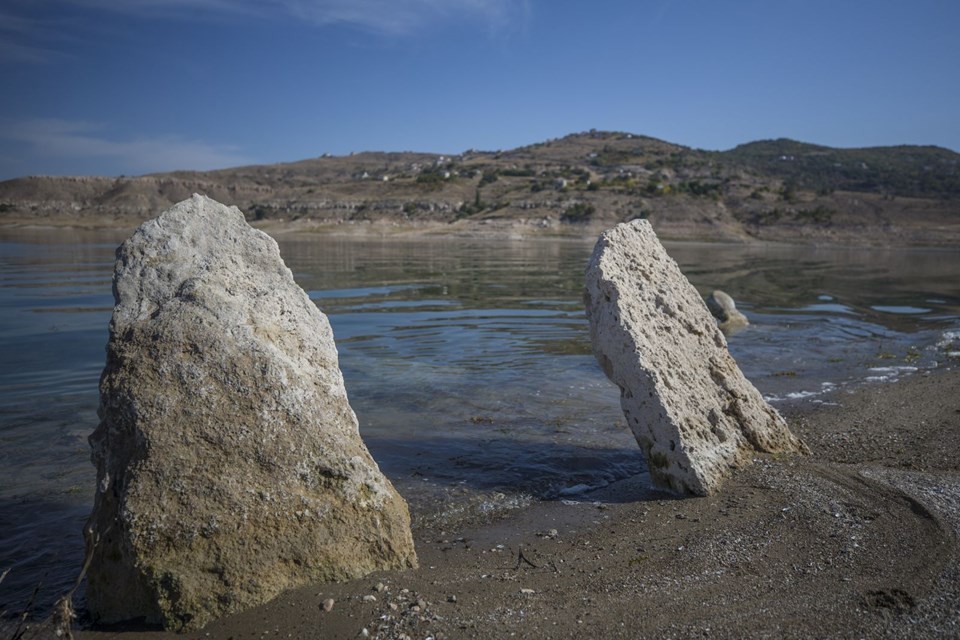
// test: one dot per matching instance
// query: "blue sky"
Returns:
(111, 87)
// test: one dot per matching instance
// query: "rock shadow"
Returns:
(543, 470)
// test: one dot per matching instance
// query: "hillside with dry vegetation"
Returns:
(769, 190)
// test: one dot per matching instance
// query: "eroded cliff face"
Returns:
(229, 462)
(694, 414)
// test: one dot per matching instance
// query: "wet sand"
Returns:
(857, 540)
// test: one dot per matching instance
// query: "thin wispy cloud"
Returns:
(22, 40)
(394, 17)
(39, 32)
(24, 53)
(403, 16)
(54, 140)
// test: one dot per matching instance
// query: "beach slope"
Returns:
(857, 540)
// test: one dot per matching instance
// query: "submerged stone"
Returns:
(724, 309)
(229, 462)
(694, 414)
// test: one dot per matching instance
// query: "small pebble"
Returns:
(327, 604)
(380, 588)
(369, 598)
(451, 598)
(527, 592)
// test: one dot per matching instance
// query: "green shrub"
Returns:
(518, 173)
(577, 213)
(430, 180)
(819, 215)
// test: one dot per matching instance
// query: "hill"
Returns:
(911, 171)
(771, 190)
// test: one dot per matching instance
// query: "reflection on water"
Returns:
(467, 362)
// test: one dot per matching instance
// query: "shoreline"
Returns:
(859, 539)
(619, 508)
(505, 229)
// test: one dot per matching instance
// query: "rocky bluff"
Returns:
(692, 411)
(229, 462)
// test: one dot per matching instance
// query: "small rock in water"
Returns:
(693, 413)
(724, 309)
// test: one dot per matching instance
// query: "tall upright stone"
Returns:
(229, 462)
(692, 411)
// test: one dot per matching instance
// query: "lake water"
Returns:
(467, 362)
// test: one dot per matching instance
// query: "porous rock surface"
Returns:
(229, 462)
(692, 411)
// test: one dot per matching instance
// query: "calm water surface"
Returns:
(467, 362)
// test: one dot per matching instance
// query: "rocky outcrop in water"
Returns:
(692, 411)
(724, 309)
(229, 462)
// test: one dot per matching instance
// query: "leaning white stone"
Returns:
(229, 462)
(690, 408)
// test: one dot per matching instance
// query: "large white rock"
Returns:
(229, 462)
(690, 408)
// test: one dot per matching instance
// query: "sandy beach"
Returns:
(857, 540)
